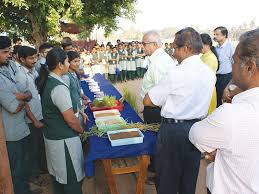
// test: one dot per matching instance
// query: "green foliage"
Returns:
(39, 20)
(130, 98)
(107, 101)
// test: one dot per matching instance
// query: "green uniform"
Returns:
(123, 64)
(63, 146)
(131, 64)
(139, 62)
(113, 63)
(75, 92)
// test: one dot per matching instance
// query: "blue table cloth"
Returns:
(100, 148)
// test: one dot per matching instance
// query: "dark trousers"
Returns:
(152, 115)
(208, 191)
(143, 71)
(222, 82)
(179, 160)
(139, 72)
(112, 77)
(36, 151)
(17, 158)
(72, 186)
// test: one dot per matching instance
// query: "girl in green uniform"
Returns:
(62, 128)
(122, 62)
(139, 60)
(113, 64)
(71, 79)
(131, 65)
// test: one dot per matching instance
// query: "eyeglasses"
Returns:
(145, 43)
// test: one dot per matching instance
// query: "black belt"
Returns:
(171, 121)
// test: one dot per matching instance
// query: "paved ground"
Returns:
(126, 183)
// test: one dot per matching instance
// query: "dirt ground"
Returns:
(126, 183)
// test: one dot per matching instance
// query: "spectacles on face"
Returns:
(146, 43)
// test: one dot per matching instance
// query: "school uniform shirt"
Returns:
(225, 53)
(160, 64)
(232, 130)
(41, 61)
(72, 82)
(185, 92)
(26, 81)
(15, 125)
(55, 150)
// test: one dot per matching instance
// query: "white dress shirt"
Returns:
(160, 64)
(232, 129)
(185, 93)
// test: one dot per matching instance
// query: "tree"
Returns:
(39, 20)
(105, 13)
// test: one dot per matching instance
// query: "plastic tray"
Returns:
(126, 141)
(119, 106)
(98, 114)
(104, 125)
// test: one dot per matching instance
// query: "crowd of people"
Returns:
(183, 88)
(42, 110)
(121, 62)
(182, 96)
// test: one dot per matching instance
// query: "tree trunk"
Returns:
(6, 185)
(39, 34)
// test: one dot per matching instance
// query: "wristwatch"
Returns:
(232, 87)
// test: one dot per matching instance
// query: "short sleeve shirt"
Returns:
(60, 95)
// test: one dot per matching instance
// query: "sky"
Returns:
(158, 14)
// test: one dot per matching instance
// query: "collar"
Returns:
(157, 52)
(57, 77)
(25, 69)
(243, 96)
(223, 45)
(18, 65)
(4, 68)
(73, 74)
(192, 59)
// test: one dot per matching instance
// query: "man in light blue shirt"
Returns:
(225, 51)
(12, 104)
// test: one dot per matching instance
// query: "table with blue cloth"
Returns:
(99, 147)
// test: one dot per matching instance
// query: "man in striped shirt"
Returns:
(230, 134)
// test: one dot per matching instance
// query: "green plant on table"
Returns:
(130, 98)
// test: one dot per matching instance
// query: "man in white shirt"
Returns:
(184, 95)
(159, 64)
(231, 132)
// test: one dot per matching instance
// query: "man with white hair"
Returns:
(160, 63)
